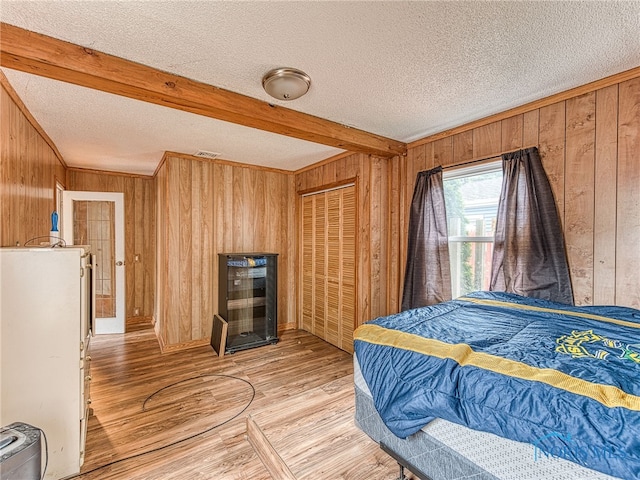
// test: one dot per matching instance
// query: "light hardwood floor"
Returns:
(299, 392)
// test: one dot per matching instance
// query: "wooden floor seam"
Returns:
(301, 411)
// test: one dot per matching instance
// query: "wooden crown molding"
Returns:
(97, 171)
(220, 161)
(326, 161)
(536, 104)
(52, 58)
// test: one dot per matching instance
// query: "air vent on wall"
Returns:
(205, 154)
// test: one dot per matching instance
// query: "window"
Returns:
(471, 197)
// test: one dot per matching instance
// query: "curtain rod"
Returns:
(483, 159)
(471, 162)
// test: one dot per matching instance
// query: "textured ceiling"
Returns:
(402, 70)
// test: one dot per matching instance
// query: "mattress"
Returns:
(562, 378)
(447, 451)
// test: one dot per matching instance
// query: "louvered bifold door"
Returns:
(348, 273)
(320, 266)
(307, 262)
(328, 265)
(334, 268)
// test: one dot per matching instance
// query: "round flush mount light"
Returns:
(286, 83)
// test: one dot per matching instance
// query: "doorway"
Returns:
(97, 219)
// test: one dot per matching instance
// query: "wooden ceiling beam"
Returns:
(52, 58)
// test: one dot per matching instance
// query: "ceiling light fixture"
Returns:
(286, 83)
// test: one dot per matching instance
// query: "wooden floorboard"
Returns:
(299, 393)
(276, 466)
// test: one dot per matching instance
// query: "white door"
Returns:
(97, 219)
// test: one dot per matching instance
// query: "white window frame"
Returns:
(470, 171)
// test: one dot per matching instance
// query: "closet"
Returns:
(328, 265)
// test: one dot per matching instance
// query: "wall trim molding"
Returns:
(534, 105)
(108, 172)
(174, 347)
(219, 161)
(334, 158)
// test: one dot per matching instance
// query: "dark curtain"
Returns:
(427, 277)
(529, 256)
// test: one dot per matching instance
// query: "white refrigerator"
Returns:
(46, 310)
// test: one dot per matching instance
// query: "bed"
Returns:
(499, 386)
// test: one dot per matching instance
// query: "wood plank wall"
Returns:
(29, 168)
(370, 175)
(211, 207)
(590, 148)
(139, 232)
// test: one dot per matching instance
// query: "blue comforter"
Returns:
(564, 378)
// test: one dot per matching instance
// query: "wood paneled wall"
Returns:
(590, 148)
(370, 175)
(29, 167)
(211, 207)
(139, 231)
